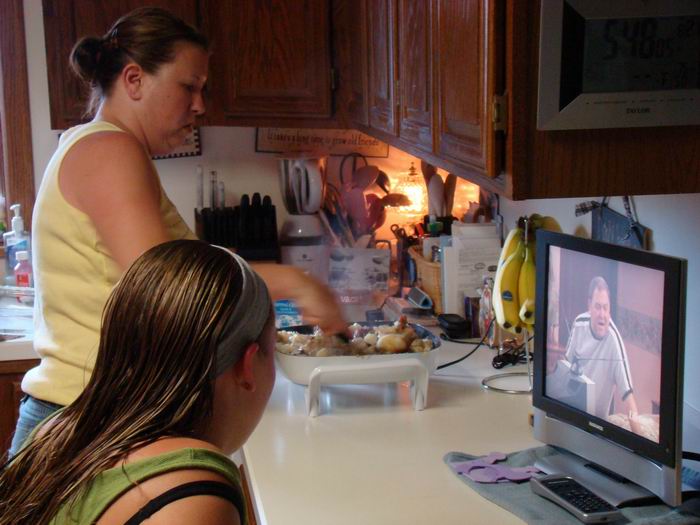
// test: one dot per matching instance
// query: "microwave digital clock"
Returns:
(618, 64)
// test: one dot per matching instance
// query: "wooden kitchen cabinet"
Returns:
(270, 58)
(381, 65)
(435, 70)
(467, 51)
(270, 62)
(350, 58)
(11, 373)
(415, 99)
(474, 95)
(65, 22)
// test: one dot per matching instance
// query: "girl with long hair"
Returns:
(100, 203)
(184, 370)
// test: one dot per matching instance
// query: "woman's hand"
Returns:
(315, 301)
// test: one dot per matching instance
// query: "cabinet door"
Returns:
(382, 80)
(415, 72)
(65, 22)
(350, 58)
(468, 64)
(269, 58)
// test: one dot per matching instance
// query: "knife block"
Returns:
(216, 226)
(250, 228)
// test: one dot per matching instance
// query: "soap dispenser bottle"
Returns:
(14, 240)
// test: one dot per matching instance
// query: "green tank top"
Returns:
(114, 482)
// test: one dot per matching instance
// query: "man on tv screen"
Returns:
(597, 351)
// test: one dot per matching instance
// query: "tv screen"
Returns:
(609, 342)
(604, 326)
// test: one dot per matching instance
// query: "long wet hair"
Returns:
(153, 377)
(146, 36)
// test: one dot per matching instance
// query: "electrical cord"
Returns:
(445, 337)
(693, 456)
(512, 356)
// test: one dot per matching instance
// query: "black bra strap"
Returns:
(195, 488)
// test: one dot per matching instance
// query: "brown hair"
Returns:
(146, 36)
(153, 377)
(598, 283)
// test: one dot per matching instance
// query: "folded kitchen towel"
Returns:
(519, 499)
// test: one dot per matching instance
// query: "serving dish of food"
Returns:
(376, 352)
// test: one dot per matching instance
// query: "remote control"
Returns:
(575, 498)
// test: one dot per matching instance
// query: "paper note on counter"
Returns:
(473, 256)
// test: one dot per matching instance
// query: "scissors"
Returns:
(401, 235)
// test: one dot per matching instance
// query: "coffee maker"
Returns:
(302, 238)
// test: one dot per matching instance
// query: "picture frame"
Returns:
(191, 148)
(334, 142)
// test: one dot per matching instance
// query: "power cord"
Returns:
(693, 456)
(445, 337)
(512, 356)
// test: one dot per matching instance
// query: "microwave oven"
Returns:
(618, 64)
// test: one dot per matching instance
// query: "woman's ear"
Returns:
(244, 369)
(132, 76)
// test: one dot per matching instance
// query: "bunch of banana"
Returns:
(514, 284)
(506, 304)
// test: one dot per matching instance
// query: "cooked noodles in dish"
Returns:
(366, 340)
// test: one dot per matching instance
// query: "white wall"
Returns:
(231, 151)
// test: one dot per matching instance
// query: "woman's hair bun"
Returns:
(85, 57)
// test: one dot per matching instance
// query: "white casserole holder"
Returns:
(361, 369)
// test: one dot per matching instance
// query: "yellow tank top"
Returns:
(73, 276)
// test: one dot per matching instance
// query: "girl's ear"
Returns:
(132, 77)
(244, 369)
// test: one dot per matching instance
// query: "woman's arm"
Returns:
(315, 300)
(109, 177)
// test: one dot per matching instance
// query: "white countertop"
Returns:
(369, 458)
(17, 349)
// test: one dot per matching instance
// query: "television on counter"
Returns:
(608, 366)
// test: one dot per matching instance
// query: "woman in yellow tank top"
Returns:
(100, 203)
(184, 370)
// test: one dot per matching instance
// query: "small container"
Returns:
(15, 240)
(428, 280)
(471, 314)
(23, 270)
(455, 326)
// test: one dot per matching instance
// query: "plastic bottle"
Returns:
(15, 240)
(3, 227)
(23, 270)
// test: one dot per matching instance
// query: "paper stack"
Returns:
(473, 255)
